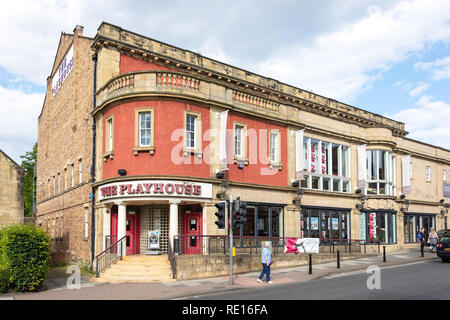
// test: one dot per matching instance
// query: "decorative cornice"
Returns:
(143, 48)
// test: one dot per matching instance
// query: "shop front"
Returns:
(378, 226)
(414, 221)
(149, 213)
(325, 223)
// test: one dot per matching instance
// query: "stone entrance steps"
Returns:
(136, 268)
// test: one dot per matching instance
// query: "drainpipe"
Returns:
(94, 135)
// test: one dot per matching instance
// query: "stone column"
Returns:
(121, 224)
(173, 221)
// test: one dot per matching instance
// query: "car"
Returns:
(443, 246)
(441, 232)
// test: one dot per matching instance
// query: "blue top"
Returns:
(266, 252)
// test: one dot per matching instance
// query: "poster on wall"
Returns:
(372, 225)
(301, 245)
(335, 224)
(314, 223)
(153, 241)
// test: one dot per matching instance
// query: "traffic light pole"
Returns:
(230, 229)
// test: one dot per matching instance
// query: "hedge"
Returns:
(25, 253)
(4, 281)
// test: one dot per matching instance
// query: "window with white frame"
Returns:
(86, 223)
(144, 129)
(80, 170)
(444, 175)
(380, 173)
(428, 173)
(109, 141)
(238, 141)
(327, 165)
(73, 177)
(273, 146)
(190, 131)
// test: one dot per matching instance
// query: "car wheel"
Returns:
(445, 260)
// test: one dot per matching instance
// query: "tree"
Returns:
(29, 160)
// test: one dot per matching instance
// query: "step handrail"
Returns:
(107, 258)
(171, 259)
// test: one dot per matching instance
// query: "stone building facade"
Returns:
(167, 120)
(65, 150)
(11, 191)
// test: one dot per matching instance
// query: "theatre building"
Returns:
(142, 155)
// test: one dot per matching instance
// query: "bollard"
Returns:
(421, 248)
(310, 263)
(384, 253)
(338, 259)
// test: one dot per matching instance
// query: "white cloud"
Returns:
(439, 68)
(18, 121)
(343, 63)
(428, 122)
(419, 89)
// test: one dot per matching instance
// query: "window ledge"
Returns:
(238, 159)
(108, 155)
(276, 165)
(149, 149)
(196, 153)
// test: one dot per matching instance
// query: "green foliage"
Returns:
(25, 252)
(4, 280)
(28, 162)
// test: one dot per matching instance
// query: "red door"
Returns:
(132, 227)
(192, 228)
(132, 233)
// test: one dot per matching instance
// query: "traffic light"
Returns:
(220, 214)
(239, 213)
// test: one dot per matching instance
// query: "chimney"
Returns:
(78, 31)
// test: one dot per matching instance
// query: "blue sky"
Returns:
(388, 57)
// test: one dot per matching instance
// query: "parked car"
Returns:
(443, 246)
(441, 232)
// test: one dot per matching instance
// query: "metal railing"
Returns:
(220, 244)
(171, 259)
(110, 255)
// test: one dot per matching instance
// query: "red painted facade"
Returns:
(259, 172)
(130, 64)
(169, 116)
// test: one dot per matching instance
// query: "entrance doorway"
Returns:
(192, 228)
(132, 232)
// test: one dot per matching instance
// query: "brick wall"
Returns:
(65, 143)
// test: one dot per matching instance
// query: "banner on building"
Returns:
(62, 72)
(301, 245)
(406, 174)
(299, 165)
(372, 225)
(223, 140)
(362, 171)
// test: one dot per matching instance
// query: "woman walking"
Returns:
(266, 259)
(433, 237)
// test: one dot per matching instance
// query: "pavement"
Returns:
(55, 287)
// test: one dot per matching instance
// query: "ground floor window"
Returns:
(378, 226)
(414, 221)
(325, 223)
(263, 220)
